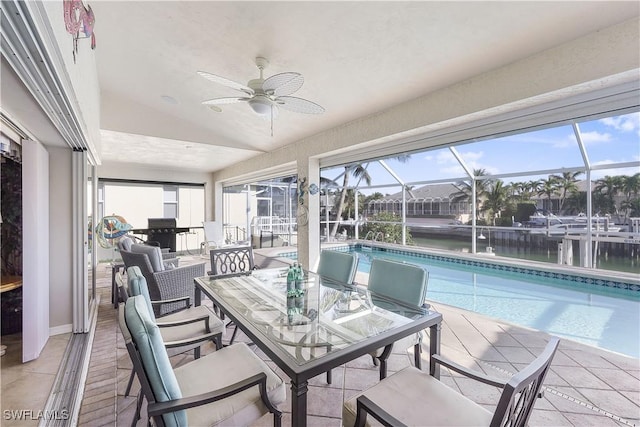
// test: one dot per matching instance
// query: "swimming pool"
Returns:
(605, 314)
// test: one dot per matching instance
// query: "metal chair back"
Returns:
(233, 260)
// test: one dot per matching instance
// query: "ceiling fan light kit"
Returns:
(261, 105)
(264, 96)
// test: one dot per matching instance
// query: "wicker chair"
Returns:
(126, 243)
(165, 284)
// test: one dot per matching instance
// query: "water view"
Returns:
(607, 259)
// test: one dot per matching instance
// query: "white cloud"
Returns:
(595, 137)
(444, 157)
(626, 123)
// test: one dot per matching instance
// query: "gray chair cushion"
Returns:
(439, 404)
(162, 379)
(138, 286)
(339, 266)
(239, 362)
(125, 243)
(153, 253)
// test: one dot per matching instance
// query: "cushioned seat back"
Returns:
(338, 266)
(154, 254)
(231, 260)
(125, 243)
(137, 285)
(400, 281)
(153, 355)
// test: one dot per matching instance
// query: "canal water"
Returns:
(608, 257)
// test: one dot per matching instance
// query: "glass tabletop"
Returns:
(320, 317)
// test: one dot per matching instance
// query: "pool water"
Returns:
(590, 314)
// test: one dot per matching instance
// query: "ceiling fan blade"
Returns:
(299, 105)
(221, 101)
(283, 84)
(226, 82)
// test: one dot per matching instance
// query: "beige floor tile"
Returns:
(612, 401)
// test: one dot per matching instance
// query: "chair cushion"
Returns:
(125, 243)
(220, 369)
(159, 372)
(403, 282)
(138, 286)
(153, 252)
(339, 266)
(190, 330)
(416, 398)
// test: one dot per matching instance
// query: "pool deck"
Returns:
(585, 387)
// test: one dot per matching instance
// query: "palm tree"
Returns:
(497, 199)
(358, 170)
(631, 188)
(566, 183)
(608, 187)
(466, 189)
(548, 188)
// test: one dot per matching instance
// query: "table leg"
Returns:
(197, 296)
(299, 403)
(114, 291)
(434, 348)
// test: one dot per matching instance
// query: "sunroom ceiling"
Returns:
(357, 59)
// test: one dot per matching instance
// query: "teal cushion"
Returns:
(339, 266)
(138, 286)
(146, 335)
(401, 281)
(154, 254)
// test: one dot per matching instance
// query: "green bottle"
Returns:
(291, 279)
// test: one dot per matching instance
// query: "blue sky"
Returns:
(609, 140)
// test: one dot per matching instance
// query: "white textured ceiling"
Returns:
(357, 58)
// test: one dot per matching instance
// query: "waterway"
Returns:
(607, 258)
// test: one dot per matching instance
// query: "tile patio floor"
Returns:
(586, 386)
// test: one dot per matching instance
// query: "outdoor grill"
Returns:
(163, 231)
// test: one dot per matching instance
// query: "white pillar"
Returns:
(309, 232)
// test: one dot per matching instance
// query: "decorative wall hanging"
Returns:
(78, 17)
(302, 188)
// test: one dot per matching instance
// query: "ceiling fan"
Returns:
(264, 96)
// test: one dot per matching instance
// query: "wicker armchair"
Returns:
(165, 284)
(127, 242)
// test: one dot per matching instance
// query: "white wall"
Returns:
(35, 251)
(61, 241)
(110, 170)
(134, 202)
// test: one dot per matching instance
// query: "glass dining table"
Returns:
(308, 329)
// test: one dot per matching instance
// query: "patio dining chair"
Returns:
(165, 284)
(405, 283)
(231, 261)
(232, 386)
(181, 331)
(412, 397)
(338, 266)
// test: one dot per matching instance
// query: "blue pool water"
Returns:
(608, 318)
